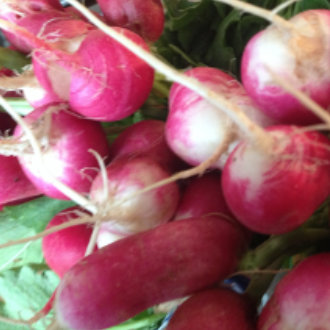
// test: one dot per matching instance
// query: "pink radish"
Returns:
(14, 185)
(195, 128)
(275, 192)
(142, 270)
(145, 17)
(109, 84)
(146, 137)
(126, 176)
(301, 299)
(300, 56)
(66, 154)
(203, 196)
(66, 247)
(214, 309)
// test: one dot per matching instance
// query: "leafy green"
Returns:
(12, 59)
(24, 292)
(22, 221)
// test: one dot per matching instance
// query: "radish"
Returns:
(66, 151)
(106, 85)
(145, 17)
(214, 309)
(195, 128)
(146, 137)
(301, 298)
(275, 192)
(126, 277)
(300, 56)
(14, 185)
(203, 196)
(125, 177)
(66, 247)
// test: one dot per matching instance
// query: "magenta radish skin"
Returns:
(67, 157)
(301, 298)
(203, 196)
(66, 247)
(275, 193)
(146, 137)
(301, 58)
(106, 85)
(125, 176)
(195, 128)
(214, 309)
(126, 277)
(144, 17)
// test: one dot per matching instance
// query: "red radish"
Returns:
(145, 17)
(146, 137)
(195, 128)
(66, 247)
(203, 196)
(214, 309)
(14, 185)
(126, 277)
(126, 176)
(66, 153)
(4, 72)
(300, 56)
(109, 84)
(301, 299)
(275, 192)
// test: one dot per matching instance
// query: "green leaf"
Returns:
(12, 59)
(311, 4)
(25, 291)
(22, 221)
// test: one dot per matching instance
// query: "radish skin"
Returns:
(142, 270)
(275, 193)
(214, 309)
(66, 155)
(301, 57)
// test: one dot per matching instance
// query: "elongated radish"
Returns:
(300, 56)
(139, 271)
(146, 137)
(195, 128)
(126, 176)
(145, 17)
(301, 298)
(276, 192)
(66, 247)
(214, 309)
(203, 196)
(66, 151)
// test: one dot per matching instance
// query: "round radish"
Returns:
(102, 80)
(66, 247)
(126, 176)
(274, 192)
(214, 309)
(300, 56)
(195, 128)
(145, 17)
(146, 137)
(126, 277)
(203, 196)
(66, 155)
(301, 300)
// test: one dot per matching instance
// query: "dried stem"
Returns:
(252, 131)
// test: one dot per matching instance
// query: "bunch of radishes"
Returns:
(150, 226)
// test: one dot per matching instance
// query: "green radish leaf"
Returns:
(22, 221)
(12, 59)
(311, 4)
(24, 292)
